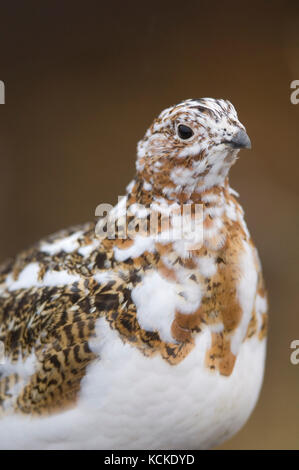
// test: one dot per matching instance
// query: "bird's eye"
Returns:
(185, 132)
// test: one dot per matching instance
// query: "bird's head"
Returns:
(191, 146)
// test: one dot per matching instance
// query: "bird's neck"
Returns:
(143, 193)
(208, 208)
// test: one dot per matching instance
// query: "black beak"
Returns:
(240, 140)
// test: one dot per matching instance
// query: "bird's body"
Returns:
(143, 339)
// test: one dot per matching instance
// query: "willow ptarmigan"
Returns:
(141, 338)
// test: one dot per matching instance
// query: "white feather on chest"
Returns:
(130, 401)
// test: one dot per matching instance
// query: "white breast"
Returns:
(129, 401)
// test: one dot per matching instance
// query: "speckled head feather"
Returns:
(191, 146)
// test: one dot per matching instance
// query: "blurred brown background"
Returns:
(83, 82)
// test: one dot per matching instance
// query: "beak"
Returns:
(240, 140)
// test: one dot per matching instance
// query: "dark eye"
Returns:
(184, 132)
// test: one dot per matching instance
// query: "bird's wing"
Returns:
(50, 299)
(45, 322)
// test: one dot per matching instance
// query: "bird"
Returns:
(145, 328)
